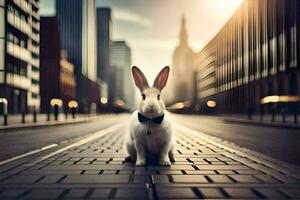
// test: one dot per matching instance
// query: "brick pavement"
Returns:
(205, 167)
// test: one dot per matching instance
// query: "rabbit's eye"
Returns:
(158, 96)
(143, 96)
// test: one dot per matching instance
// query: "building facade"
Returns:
(57, 78)
(254, 56)
(19, 54)
(77, 25)
(182, 68)
(103, 42)
(121, 86)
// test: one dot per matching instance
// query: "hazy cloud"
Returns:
(127, 16)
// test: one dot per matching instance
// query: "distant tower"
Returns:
(183, 37)
(183, 73)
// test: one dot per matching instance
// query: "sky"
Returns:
(151, 27)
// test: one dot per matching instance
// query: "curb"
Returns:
(270, 124)
(44, 124)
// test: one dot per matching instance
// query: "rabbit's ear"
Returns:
(162, 78)
(139, 78)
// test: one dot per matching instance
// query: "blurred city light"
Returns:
(54, 102)
(103, 100)
(3, 100)
(211, 103)
(72, 104)
(119, 103)
(179, 105)
(277, 98)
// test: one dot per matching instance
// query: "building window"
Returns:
(34, 95)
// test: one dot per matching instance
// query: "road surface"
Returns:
(281, 143)
(93, 167)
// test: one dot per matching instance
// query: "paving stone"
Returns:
(287, 179)
(240, 193)
(145, 172)
(217, 163)
(270, 193)
(101, 193)
(25, 179)
(176, 193)
(92, 172)
(226, 172)
(77, 193)
(200, 162)
(109, 172)
(44, 194)
(245, 178)
(211, 193)
(161, 179)
(132, 193)
(221, 167)
(204, 172)
(11, 193)
(125, 172)
(66, 163)
(170, 172)
(233, 163)
(96, 179)
(52, 172)
(248, 171)
(267, 178)
(51, 179)
(141, 179)
(173, 167)
(189, 179)
(291, 192)
(220, 179)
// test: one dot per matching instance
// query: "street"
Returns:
(272, 141)
(88, 163)
(19, 141)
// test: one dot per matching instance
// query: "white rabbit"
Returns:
(150, 130)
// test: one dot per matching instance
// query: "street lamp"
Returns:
(5, 103)
(211, 103)
(103, 100)
(73, 105)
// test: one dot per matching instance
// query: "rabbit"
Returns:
(150, 130)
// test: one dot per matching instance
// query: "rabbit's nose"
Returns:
(152, 108)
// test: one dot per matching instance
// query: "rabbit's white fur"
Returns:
(160, 141)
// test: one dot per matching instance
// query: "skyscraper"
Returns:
(183, 71)
(19, 54)
(77, 25)
(121, 85)
(103, 42)
(253, 61)
(57, 78)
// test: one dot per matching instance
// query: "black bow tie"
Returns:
(156, 120)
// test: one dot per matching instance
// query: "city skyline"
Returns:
(138, 24)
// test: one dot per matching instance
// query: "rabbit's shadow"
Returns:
(151, 160)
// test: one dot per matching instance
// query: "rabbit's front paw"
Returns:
(165, 163)
(140, 163)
